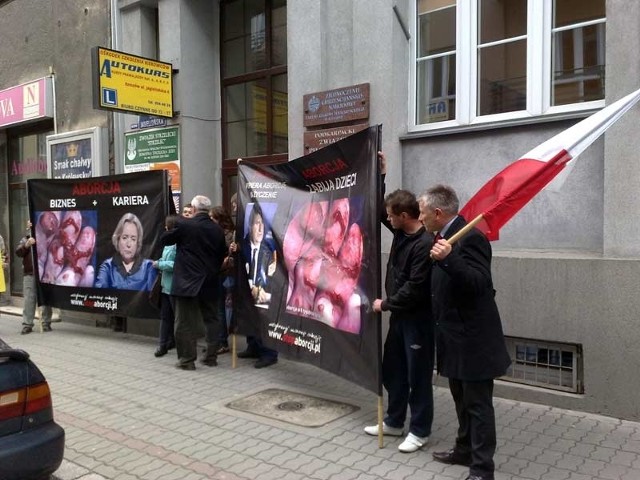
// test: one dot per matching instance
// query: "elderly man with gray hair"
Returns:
(200, 250)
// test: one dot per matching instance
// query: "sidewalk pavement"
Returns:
(129, 415)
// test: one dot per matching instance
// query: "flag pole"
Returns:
(234, 345)
(378, 316)
(466, 229)
(380, 422)
(234, 355)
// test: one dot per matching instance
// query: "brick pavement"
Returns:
(131, 416)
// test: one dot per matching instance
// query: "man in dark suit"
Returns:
(199, 254)
(470, 346)
(260, 258)
(260, 265)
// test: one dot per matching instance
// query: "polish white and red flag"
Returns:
(511, 189)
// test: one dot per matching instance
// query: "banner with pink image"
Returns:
(308, 258)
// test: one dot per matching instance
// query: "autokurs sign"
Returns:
(130, 83)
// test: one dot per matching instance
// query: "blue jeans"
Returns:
(29, 310)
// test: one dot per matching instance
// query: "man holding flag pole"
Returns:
(469, 339)
(471, 350)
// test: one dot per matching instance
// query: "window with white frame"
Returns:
(494, 60)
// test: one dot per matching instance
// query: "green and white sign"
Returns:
(152, 146)
(155, 149)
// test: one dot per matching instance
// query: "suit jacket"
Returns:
(469, 338)
(265, 257)
(200, 250)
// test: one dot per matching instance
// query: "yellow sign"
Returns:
(132, 84)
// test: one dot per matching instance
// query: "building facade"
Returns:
(45, 89)
(462, 89)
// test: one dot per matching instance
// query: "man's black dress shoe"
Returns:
(453, 458)
(209, 362)
(247, 354)
(265, 362)
(160, 352)
(478, 477)
(185, 366)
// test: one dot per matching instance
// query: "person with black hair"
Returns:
(164, 264)
(227, 279)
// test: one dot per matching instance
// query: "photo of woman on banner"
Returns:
(259, 255)
(127, 270)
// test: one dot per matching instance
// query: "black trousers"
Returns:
(407, 368)
(255, 345)
(167, 322)
(477, 424)
(191, 314)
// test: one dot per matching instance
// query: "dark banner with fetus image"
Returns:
(96, 239)
(308, 264)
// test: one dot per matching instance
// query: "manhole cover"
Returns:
(291, 407)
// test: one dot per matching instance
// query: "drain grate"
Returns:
(292, 407)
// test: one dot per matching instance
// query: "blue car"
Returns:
(31, 443)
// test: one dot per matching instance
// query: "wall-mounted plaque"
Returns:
(336, 106)
(317, 139)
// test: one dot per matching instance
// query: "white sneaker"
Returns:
(412, 443)
(386, 430)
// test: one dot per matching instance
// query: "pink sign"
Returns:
(26, 102)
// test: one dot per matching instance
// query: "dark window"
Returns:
(254, 84)
(553, 365)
